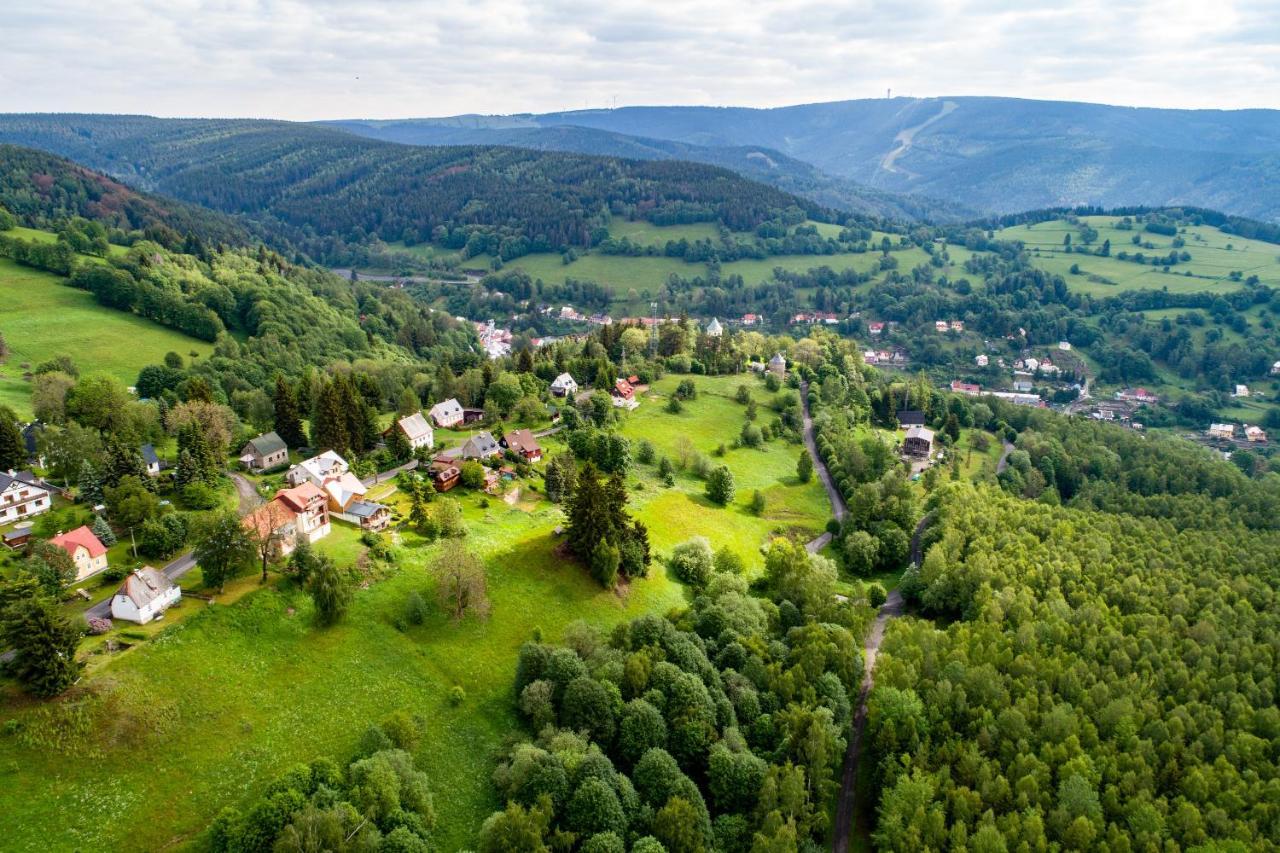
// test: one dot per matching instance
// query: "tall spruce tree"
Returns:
(13, 451)
(90, 484)
(124, 461)
(288, 420)
(329, 421)
(42, 640)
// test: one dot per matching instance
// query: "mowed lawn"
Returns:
(41, 317)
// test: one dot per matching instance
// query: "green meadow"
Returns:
(1214, 256)
(205, 712)
(42, 317)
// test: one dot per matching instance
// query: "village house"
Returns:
(276, 522)
(310, 507)
(317, 469)
(623, 391)
(1137, 395)
(150, 459)
(1018, 398)
(919, 441)
(778, 364)
(1255, 434)
(875, 328)
(416, 430)
(1021, 381)
(1241, 391)
(957, 325)
(444, 475)
(446, 414)
(522, 442)
(330, 473)
(85, 550)
(369, 516)
(145, 595)
(22, 495)
(496, 342)
(910, 418)
(480, 446)
(1275, 369)
(714, 329)
(981, 360)
(940, 325)
(1222, 431)
(1064, 346)
(965, 388)
(752, 319)
(264, 453)
(564, 386)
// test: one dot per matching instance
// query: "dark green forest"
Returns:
(327, 192)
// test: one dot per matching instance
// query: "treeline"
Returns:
(1109, 682)
(720, 727)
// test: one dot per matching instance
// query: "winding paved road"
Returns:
(838, 508)
(1004, 459)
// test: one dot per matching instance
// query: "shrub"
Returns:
(457, 695)
(99, 626)
(200, 495)
(876, 595)
(644, 452)
(692, 562)
(757, 502)
(415, 610)
(720, 486)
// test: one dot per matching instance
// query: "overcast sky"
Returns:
(313, 59)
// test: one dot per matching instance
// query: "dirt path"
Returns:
(248, 494)
(1004, 459)
(847, 807)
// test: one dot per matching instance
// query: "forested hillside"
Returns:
(327, 192)
(1110, 680)
(44, 190)
(756, 162)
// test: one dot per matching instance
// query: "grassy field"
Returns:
(41, 317)
(206, 711)
(1214, 256)
(713, 418)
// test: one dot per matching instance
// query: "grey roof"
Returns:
(145, 586)
(8, 479)
(414, 426)
(364, 509)
(908, 417)
(149, 454)
(268, 443)
(920, 432)
(480, 445)
(779, 359)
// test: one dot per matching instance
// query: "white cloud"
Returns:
(310, 59)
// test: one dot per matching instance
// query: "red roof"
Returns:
(80, 537)
(299, 497)
(623, 389)
(634, 380)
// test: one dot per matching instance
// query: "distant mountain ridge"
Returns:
(756, 162)
(996, 154)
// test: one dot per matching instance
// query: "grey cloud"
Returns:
(306, 59)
